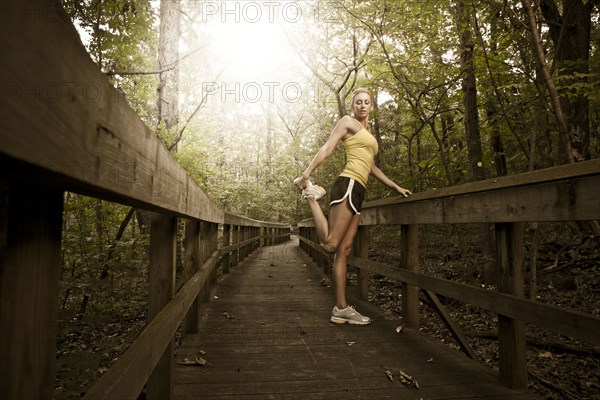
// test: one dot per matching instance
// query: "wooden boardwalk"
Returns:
(266, 335)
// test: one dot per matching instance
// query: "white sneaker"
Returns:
(311, 191)
(348, 315)
(314, 191)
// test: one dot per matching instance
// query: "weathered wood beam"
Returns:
(571, 200)
(226, 243)
(511, 331)
(126, 378)
(30, 260)
(571, 323)
(409, 252)
(238, 246)
(564, 193)
(161, 277)
(63, 123)
(453, 328)
(191, 263)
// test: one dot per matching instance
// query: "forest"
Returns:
(243, 94)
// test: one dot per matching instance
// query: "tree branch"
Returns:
(168, 68)
(200, 105)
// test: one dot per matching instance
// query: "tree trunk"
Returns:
(570, 31)
(497, 146)
(563, 127)
(168, 58)
(471, 119)
(111, 251)
(269, 146)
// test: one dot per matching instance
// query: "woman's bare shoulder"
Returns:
(350, 124)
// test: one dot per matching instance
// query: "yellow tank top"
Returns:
(361, 149)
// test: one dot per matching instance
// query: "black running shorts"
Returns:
(345, 187)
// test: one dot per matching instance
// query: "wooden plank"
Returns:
(237, 246)
(205, 252)
(235, 239)
(455, 331)
(226, 243)
(128, 375)
(547, 175)
(572, 200)
(266, 334)
(571, 323)
(511, 332)
(63, 122)
(409, 252)
(30, 260)
(234, 219)
(161, 277)
(214, 244)
(191, 263)
(563, 193)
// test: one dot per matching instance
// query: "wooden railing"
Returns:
(565, 193)
(63, 127)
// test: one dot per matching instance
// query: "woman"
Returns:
(347, 195)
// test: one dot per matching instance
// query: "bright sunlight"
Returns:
(250, 43)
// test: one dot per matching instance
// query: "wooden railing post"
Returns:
(205, 251)
(30, 239)
(362, 251)
(257, 234)
(213, 246)
(226, 243)
(243, 237)
(191, 264)
(511, 332)
(161, 275)
(246, 237)
(410, 261)
(235, 239)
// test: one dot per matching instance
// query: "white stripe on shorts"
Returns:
(348, 195)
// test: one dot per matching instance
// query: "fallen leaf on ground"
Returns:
(196, 361)
(407, 379)
(389, 375)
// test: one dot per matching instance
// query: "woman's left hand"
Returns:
(403, 192)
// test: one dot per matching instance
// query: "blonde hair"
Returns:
(360, 90)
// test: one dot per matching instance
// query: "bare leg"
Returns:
(331, 232)
(340, 264)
